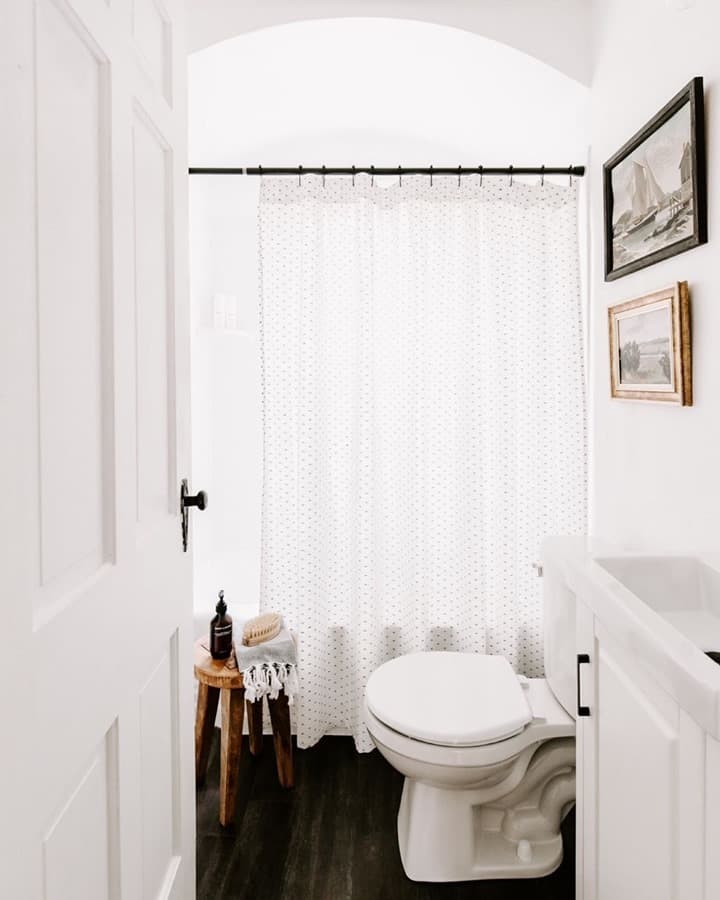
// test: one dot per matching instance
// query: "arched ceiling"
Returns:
(306, 89)
(557, 32)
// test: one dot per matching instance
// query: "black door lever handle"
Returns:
(187, 500)
(200, 500)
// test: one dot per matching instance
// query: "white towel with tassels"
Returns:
(269, 668)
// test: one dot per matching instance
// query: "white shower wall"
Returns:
(336, 92)
(225, 396)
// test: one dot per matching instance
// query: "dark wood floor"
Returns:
(330, 838)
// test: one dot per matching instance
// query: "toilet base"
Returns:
(451, 835)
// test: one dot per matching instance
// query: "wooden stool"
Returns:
(219, 679)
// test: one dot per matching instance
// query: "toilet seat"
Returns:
(449, 699)
(550, 720)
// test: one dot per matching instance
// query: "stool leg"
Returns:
(255, 725)
(204, 727)
(280, 717)
(232, 705)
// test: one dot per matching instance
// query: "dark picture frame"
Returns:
(667, 213)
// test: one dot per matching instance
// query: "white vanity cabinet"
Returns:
(648, 723)
(648, 778)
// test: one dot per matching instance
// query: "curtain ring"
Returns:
(570, 174)
(260, 172)
(353, 176)
(372, 176)
(299, 176)
(400, 174)
(511, 176)
(542, 177)
(459, 171)
(481, 175)
(431, 175)
(323, 176)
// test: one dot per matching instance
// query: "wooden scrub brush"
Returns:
(261, 628)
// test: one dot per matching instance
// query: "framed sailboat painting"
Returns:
(655, 188)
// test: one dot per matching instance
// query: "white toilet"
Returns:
(488, 756)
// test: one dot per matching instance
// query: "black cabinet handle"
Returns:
(582, 659)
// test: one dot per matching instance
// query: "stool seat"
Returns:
(220, 680)
(218, 673)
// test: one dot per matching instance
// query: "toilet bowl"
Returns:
(489, 765)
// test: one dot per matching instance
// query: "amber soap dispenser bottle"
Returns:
(221, 631)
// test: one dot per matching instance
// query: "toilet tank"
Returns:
(559, 625)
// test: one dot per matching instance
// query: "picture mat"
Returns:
(646, 324)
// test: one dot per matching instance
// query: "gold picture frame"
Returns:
(650, 347)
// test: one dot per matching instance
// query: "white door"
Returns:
(96, 781)
(641, 780)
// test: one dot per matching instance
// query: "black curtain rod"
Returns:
(577, 171)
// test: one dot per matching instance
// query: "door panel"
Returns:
(72, 305)
(159, 773)
(80, 850)
(711, 868)
(586, 768)
(637, 753)
(153, 33)
(97, 776)
(153, 321)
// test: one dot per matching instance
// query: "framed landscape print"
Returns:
(650, 352)
(655, 190)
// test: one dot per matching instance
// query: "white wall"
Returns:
(226, 432)
(338, 92)
(556, 32)
(656, 472)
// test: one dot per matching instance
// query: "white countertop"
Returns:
(668, 643)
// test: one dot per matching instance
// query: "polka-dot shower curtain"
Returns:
(424, 421)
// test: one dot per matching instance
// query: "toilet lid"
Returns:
(453, 699)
